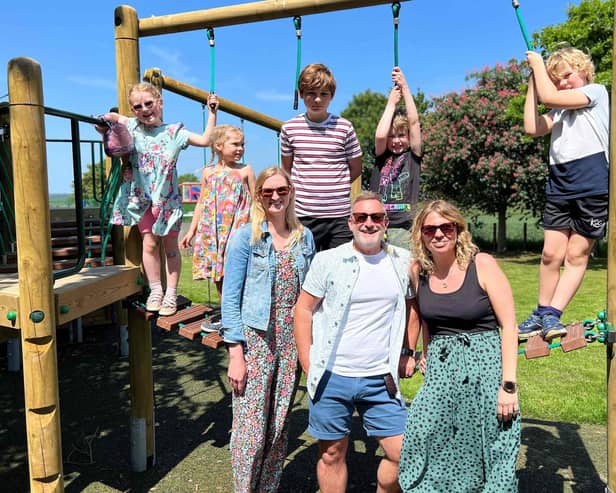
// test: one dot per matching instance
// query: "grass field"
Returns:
(567, 387)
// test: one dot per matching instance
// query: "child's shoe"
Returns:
(154, 301)
(552, 327)
(208, 326)
(168, 306)
(531, 326)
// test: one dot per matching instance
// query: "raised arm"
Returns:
(548, 93)
(382, 129)
(411, 110)
(203, 140)
(535, 124)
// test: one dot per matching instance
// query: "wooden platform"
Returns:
(82, 293)
(188, 322)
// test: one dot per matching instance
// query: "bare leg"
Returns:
(576, 260)
(174, 261)
(218, 285)
(554, 251)
(387, 473)
(151, 258)
(331, 467)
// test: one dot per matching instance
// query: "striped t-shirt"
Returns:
(320, 173)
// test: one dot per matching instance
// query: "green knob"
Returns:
(64, 309)
(140, 281)
(601, 327)
(602, 315)
(37, 316)
(11, 316)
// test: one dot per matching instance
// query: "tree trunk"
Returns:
(501, 244)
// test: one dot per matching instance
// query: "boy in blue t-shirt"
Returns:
(575, 214)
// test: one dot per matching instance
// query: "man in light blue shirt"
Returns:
(350, 328)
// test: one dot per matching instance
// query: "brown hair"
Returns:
(316, 76)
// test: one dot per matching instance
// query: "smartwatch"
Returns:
(509, 386)
(407, 352)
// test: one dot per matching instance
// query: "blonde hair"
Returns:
(145, 87)
(400, 123)
(316, 76)
(465, 248)
(220, 135)
(576, 59)
(257, 212)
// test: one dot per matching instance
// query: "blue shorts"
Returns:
(336, 399)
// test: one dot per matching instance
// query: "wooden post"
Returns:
(139, 331)
(611, 292)
(36, 300)
(245, 13)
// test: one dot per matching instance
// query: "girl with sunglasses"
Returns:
(267, 261)
(223, 206)
(149, 196)
(463, 428)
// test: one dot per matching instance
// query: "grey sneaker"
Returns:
(533, 325)
(552, 327)
(208, 326)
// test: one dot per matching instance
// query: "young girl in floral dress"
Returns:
(149, 196)
(223, 206)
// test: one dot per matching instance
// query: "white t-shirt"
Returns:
(363, 348)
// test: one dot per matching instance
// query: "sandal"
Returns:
(168, 306)
(154, 301)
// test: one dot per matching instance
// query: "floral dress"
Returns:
(261, 416)
(150, 178)
(226, 206)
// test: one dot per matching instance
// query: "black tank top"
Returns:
(466, 310)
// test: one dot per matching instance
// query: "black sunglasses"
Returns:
(147, 105)
(268, 192)
(362, 217)
(446, 228)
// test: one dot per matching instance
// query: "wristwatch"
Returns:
(407, 352)
(510, 387)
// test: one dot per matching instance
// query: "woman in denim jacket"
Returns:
(267, 260)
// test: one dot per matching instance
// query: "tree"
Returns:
(589, 27)
(89, 180)
(188, 177)
(476, 152)
(364, 111)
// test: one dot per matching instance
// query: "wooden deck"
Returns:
(76, 295)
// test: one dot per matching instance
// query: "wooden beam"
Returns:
(199, 95)
(245, 13)
(36, 304)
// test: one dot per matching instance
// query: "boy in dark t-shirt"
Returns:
(395, 176)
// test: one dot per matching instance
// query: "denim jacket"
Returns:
(332, 277)
(249, 274)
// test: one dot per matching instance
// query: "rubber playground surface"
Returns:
(193, 411)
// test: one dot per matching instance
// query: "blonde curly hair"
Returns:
(576, 59)
(465, 248)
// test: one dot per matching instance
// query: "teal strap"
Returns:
(297, 21)
(204, 113)
(516, 6)
(112, 187)
(210, 37)
(395, 10)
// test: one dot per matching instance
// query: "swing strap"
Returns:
(516, 6)
(210, 37)
(395, 10)
(297, 21)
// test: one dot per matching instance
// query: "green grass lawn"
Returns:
(561, 387)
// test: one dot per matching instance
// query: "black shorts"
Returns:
(328, 232)
(586, 216)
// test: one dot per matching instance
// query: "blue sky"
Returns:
(440, 42)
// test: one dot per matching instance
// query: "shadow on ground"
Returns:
(193, 410)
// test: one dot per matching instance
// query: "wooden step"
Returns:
(212, 340)
(88, 222)
(72, 251)
(72, 240)
(575, 337)
(192, 330)
(536, 347)
(89, 262)
(195, 312)
(8, 268)
(138, 303)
